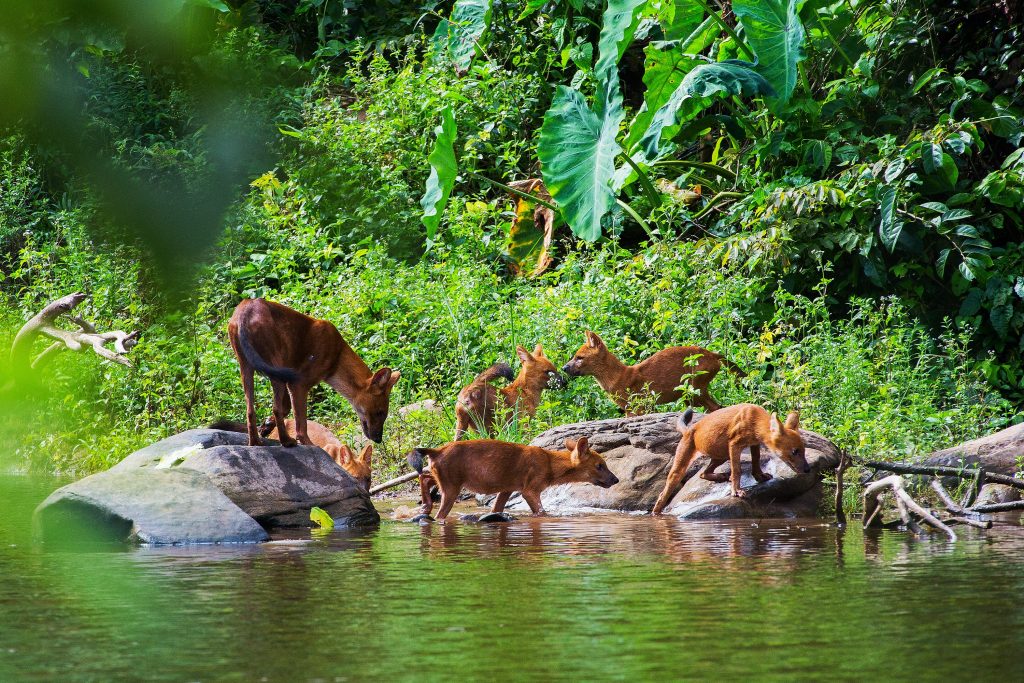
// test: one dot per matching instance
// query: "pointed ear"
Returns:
(793, 420)
(366, 454)
(774, 425)
(345, 453)
(381, 378)
(523, 354)
(593, 341)
(538, 351)
(395, 376)
(580, 450)
(570, 444)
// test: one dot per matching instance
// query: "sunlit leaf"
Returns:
(443, 170)
(889, 229)
(459, 35)
(773, 30)
(529, 238)
(320, 517)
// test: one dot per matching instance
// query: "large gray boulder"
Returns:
(201, 485)
(639, 450)
(996, 453)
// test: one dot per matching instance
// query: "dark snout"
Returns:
(374, 434)
(569, 370)
(607, 481)
(807, 468)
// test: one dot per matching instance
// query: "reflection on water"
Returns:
(596, 597)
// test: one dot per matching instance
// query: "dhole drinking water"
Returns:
(488, 466)
(298, 352)
(722, 435)
(476, 403)
(357, 466)
(659, 374)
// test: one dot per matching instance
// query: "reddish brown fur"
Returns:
(660, 374)
(476, 403)
(722, 436)
(488, 466)
(298, 352)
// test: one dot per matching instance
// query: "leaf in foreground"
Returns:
(529, 238)
(320, 517)
(773, 30)
(443, 170)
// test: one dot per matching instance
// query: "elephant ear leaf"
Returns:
(731, 77)
(443, 170)
(459, 35)
(773, 29)
(529, 238)
(321, 518)
(577, 146)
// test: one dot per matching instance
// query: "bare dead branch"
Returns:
(394, 482)
(946, 499)
(945, 471)
(999, 507)
(904, 502)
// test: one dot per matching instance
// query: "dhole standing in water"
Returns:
(488, 466)
(357, 466)
(723, 435)
(297, 352)
(476, 403)
(659, 374)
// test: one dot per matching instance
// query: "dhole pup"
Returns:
(661, 373)
(488, 466)
(357, 466)
(298, 352)
(476, 403)
(722, 435)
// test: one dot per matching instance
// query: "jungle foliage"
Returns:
(830, 193)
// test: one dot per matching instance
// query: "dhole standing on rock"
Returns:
(297, 352)
(723, 435)
(659, 374)
(488, 466)
(476, 403)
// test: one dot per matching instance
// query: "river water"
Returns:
(601, 597)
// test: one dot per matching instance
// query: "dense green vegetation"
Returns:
(841, 214)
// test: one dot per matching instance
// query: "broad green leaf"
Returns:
(320, 517)
(443, 170)
(956, 215)
(773, 30)
(458, 35)
(924, 79)
(680, 18)
(940, 263)
(731, 77)
(889, 228)
(931, 157)
(617, 26)
(1000, 317)
(577, 151)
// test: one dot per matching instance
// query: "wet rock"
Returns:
(160, 491)
(995, 453)
(997, 493)
(639, 450)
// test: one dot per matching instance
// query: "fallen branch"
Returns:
(844, 463)
(999, 507)
(391, 483)
(42, 324)
(945, 471)
(946, 499)
(904, 503)
(981, 524)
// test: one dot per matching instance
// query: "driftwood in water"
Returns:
(999, 507)
(43, 323)
(904, 502)
(394, 482)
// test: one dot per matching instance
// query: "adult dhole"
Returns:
(659, 374)
(722, 435)
(357, 466)
(489, 466)
(476, 403)
(297, 352)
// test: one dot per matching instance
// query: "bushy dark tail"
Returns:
(497, 370)
(684, 421)
(228, 426)
(731, 367)
(256, 360)
(416, 456)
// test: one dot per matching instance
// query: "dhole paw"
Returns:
(289, 443)
(739, 493)
(762, 477)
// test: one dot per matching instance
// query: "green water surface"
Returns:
(609, 597)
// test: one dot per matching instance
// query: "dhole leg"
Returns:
(737, 472)
(426, 481)
(499, 502)
(449, 494)
(532, 499)
(461, 423)
(282, 406)
(686, 451)
(298, 395)
(755, 464)
(705, 401)
(709, 473)
(248, 387)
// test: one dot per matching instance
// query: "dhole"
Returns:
(298, 352)
(357, 466)
(488, 466)
(660, 374)
(476, 403)
(722, 435)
